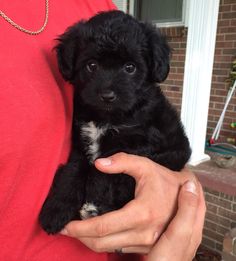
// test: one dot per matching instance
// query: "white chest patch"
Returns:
(91, 135)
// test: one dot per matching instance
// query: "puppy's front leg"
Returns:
(66, 195)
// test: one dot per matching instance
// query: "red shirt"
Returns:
(35, 128)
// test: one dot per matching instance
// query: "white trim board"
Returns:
(202, 26)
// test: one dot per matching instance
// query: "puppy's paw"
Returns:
(88, 210)
(53, 218)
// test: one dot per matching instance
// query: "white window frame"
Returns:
(124, 6)
(131, 7)
(185, 13)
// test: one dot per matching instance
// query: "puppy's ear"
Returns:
(158, 53)
(68, 50)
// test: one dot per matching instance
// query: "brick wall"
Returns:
(220, 218)
(225, 52)
(173, 85)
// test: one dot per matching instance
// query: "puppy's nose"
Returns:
(108, 96)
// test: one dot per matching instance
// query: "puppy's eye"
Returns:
(130, 68)
(91, 66)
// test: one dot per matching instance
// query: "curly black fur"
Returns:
(114, 63)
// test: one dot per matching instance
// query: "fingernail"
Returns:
(64, 232)
(190, 186)
(104, 161)
(156, 235)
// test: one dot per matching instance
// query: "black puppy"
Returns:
(114, 62)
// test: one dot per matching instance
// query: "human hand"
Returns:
(135, 227)
(183, 235)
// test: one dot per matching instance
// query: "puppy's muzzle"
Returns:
(108, 96)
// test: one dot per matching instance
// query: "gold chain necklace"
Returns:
(10, 21)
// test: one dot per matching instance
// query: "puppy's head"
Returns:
(111, 59)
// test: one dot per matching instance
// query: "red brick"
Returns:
(220, 37)
(183, 45)
(217, 219)
(221, 72)
(223, 58)
(210, 225)
(228, 15)
(219, 106)
(224, 45)
(213, 235)
(177, 64)
(179, 51)
(211, 119)
(226, 133)
(174, 45)
(178, 57)
(222, 65)
(233, 7)
(226, 2)
(217, 99)
(232, 52)
(226, 30)
(218, 201)
(167, 81)
(221, 230)
(208, 242)
(225, 8)
(218, 51)
(221, 79)
(211, 125)
(173, 70)
(223, 23)
(175, 76)
(230, 37)
(220, 93)
(230, 114)
(226, 213)
(180, 70)
(233, 22)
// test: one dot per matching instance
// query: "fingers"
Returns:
(125, 240)
(175, 241)
(183, 222)
(109, 223)
(132, 165)
(200, 218)
(136, 249)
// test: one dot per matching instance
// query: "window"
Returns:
(161, 12)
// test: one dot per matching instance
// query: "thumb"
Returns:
(187, 209)
(133, 165)
(174, 242)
